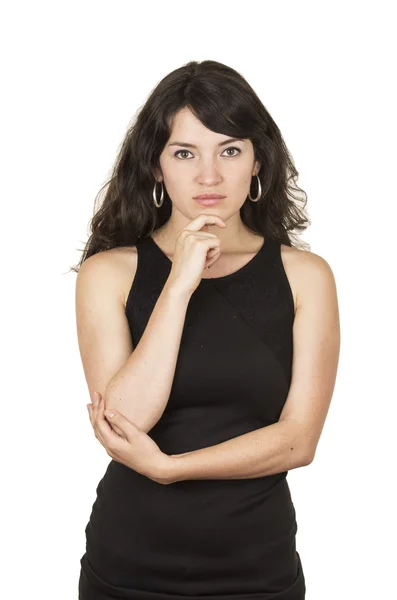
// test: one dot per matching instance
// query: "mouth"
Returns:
(208, 196)
(208, 199)
(210, 202)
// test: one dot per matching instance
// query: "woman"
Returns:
(214, 342)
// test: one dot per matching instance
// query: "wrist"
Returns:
(171, 469)
(176, 292)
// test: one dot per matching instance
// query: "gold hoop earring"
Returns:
(259, 191)
(160, 202)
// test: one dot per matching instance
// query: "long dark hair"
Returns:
(225, 103)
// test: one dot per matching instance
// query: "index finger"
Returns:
(203, 221)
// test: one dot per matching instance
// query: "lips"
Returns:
(208, 202)
(209, 197)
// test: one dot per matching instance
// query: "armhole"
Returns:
(133, 283)
(287, 285)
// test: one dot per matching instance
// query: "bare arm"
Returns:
(292, 441)
(273, 449)
(136, 382)
(141, 388)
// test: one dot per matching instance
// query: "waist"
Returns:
(233, 512)
(143, 531)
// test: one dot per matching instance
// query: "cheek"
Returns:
(239, 179)
(175, 171)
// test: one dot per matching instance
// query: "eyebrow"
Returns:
(186, 145)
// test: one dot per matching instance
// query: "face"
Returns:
(211, 166)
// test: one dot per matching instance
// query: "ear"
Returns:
(257, 168)
(158, 176)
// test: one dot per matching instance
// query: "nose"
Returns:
(209, 173)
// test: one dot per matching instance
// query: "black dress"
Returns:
(230, 539)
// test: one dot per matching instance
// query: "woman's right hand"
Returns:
(195, 250)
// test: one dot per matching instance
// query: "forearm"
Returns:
(273, 449)
(141, 388)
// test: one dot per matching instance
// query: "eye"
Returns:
(233, 148)
(230, 148)
(179, 151)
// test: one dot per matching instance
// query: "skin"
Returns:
(188, 172)
(134, 448)
(207, 168)
(292, 441)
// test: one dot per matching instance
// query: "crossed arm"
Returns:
(273, 449)
(292, 441)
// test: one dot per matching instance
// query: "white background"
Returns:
(73, 74)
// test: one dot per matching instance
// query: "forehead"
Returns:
(185, 127)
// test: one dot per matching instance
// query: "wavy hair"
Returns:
(225, 103)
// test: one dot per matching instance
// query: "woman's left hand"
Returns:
(136, 449)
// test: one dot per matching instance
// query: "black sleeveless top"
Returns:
(205, 539)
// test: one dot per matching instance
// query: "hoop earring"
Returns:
(259, 191)
(160, 202)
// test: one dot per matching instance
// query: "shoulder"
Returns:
(115, 267)
(308, 273)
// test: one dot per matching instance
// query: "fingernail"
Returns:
(109, 413)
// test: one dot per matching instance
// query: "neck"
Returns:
(234, 237)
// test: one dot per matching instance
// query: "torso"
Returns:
(126, 264)
(232, 376)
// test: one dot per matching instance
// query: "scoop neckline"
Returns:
(222, 277)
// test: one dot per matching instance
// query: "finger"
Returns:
(205, 220)
(110, 438)
(118, 420)
(100, 404)
(119, 431)
(92, 419)
(89, 409)
(95, 401)
(103, 431)
(97, 398)
(91, 414)
(213, 252)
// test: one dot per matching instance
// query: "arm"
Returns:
(135, 382)
(273, 449)
(292, 441)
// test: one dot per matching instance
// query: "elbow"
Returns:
(130, 410)
(115, 401)
(298, 455)
(299, 444)
(307, 457)
(112, 400)
(304, 455)
(299, 458)
(115, 398)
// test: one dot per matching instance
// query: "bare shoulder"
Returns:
(115, 267)
(305, 271)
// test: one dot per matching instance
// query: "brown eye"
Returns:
(233, 148)
(178, 152)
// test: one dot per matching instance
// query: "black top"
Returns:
(231, 539)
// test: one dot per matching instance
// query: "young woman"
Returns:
(213, 340)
